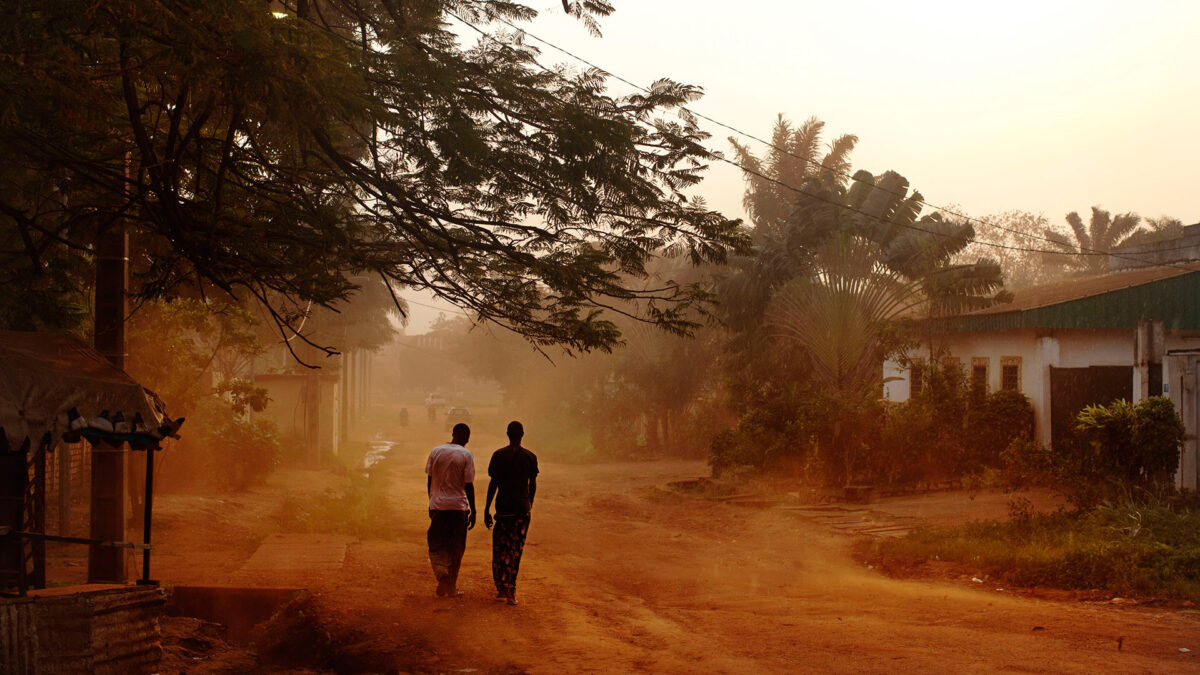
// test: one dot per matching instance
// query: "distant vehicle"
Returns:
(457, 414)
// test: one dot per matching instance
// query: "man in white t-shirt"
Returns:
(451, 470)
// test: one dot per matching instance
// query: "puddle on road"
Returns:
(375, 454)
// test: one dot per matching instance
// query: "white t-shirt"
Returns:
(451, 466)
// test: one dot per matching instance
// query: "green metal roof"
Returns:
(1174, 300)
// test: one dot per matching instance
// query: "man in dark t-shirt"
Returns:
(513, 471)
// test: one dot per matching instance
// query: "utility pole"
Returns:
(106, 564)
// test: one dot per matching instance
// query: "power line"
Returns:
(440, 309)
(1083, 250)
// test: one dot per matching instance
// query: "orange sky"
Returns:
(1042, 106)
(1047, 107)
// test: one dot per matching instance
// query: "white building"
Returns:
(1128, 334)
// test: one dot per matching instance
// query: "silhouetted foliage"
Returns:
(1128, 452)
(277, 151)
(839, 262)
(1102, 234)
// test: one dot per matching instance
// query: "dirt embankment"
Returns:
(621, 576)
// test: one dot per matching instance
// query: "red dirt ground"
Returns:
(620, 575)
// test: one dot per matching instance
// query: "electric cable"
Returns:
(719, 156)
(1082, 250)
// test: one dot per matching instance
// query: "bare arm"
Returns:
(470, 488)
(487, 508)
(532, 490)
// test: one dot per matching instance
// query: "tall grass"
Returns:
(1134, 549)
(358, 508)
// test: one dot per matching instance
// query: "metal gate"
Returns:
(1073, 389)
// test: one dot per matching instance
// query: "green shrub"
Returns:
(993, 423)
(924, 437)
(222, 450)
(1123, 452)
(915, 447)
(765, 430)
(1129, 449)
(831, 438)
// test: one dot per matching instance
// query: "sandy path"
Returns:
(620, 576)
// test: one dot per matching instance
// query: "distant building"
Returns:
(1128, 334)
(1182, 249)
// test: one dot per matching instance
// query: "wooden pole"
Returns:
(107, 564)
(38, 520)
(149, 507)
(64, 488)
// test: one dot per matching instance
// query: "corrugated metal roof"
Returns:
(1118, 300)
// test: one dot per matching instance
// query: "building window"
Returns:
(979, 376)
(1010, 373)
(916, 377)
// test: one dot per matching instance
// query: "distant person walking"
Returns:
(451, 489)
(513, 471)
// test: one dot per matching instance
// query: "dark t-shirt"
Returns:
(511, 469)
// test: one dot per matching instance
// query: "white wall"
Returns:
(1061, 349)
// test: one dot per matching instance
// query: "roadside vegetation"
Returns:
(358, 507)
(1128, 533)
(1149, 549)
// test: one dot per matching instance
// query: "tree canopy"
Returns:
(278, 151)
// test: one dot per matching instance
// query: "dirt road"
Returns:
(620, 576)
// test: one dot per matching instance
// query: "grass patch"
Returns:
(1129, 549)
(359, 508)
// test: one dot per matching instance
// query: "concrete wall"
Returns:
(305, 407)
(1037, 351)
(1040, 350)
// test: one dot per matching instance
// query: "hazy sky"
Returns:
(1047, 106)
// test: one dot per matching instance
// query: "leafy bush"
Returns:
(222, 450)
(914, 447)
(827, 437)
(993, 423)
(924, 437)
(1129, 453)
(760, 436)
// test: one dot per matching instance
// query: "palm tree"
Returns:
(794, 158)
(1087, 254)
(839, 318)
(817, 203)
(920, 248)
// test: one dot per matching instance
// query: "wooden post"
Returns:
(106, 564)
(149, 509)
(38, 520)
(64, 489)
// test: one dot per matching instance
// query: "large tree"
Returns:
(277, 151)
(838, 260)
